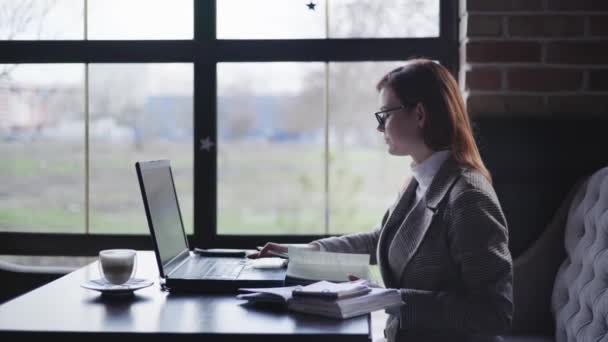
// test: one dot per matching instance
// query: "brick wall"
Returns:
(534, 56)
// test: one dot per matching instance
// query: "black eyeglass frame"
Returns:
(383, 115)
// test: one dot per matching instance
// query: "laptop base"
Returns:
(217, 286)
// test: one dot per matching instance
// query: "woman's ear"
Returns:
(421, 114)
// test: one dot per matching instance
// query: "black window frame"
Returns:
(204, 51)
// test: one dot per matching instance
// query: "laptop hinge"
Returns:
(173, 268)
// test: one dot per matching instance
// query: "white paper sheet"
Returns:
(313, 265)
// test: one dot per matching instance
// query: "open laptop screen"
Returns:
(163, 209)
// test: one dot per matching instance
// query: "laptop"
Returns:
(180, 267)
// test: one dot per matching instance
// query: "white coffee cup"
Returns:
(117, 266)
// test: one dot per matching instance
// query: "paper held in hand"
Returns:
(306, 266)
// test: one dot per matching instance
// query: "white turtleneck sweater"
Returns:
(426, 171)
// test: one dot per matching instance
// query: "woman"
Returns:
(444, 243)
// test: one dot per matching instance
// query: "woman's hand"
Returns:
(366, 282)
(268, 250)
(271, 249)
(393, 310)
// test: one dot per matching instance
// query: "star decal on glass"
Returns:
(206, 144)
(311, 6)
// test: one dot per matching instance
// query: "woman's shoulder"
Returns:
(472, 181)
(472, 192)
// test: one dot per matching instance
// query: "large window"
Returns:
(263, 107)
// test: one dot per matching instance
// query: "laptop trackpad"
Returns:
(252, 273)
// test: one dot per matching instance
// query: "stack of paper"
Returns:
(279, 295)
(328, 290)
(328, 299)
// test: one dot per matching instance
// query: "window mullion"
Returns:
(205, 94)
(86, 130)
(327, 151)
(326, 215)
(86, 151)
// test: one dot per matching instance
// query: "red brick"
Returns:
(578, 104)
(598, 25)
(545, 79)
(484, 26)
(483, 79)
(546, 25)
(478, 104)
(504, 5)
(578, 52)
(577, 5)
(598, 80)
(502, 51)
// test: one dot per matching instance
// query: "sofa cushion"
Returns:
(579, 298)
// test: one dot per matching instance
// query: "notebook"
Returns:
(181, 268)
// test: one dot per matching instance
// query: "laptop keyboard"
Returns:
(210, 268)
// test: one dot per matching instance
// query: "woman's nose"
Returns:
(380, 129)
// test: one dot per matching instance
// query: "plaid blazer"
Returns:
(449, 257)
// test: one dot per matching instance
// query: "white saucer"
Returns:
(109, 289)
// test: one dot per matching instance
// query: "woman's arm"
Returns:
(364, 243)
(478, 242)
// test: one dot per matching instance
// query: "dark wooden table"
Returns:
(65, 310)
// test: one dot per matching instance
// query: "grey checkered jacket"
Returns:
(449, 256)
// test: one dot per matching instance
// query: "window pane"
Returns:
(363, 178)
(138, 112)
(42, 148)
(140, 19)
(41, 19)
(292, 19)
(270, 19)
(271, 123)
(383, 19)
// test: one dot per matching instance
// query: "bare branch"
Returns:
(45, 12)
(16, 17)
(5, 74)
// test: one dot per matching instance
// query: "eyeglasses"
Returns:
(383, 115)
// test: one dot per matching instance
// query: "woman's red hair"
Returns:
(447, 125)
